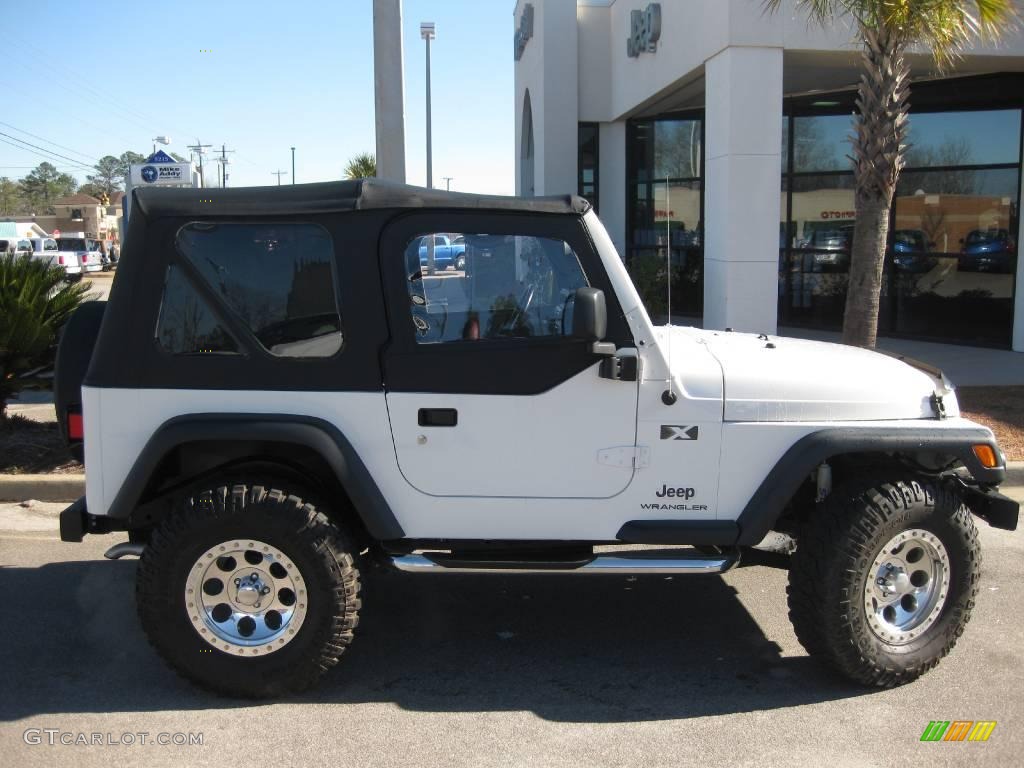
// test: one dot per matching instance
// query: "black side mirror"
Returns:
(589, 314)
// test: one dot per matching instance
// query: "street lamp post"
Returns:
(428, 34)
(293, 165)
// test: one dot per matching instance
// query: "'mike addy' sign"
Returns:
(645, 31)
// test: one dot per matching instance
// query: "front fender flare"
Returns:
(797, 463)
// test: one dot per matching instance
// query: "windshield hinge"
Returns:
(630, 456)
(938, 406)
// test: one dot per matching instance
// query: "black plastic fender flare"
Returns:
(797, 463)
(313, 433)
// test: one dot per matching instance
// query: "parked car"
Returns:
(910, 248)
(47, 249)
(831, 249)
(988, 250)
(324, 425)
(16, 246)
(81, 251)
(447, 252)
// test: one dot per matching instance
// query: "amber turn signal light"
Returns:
(986, 455)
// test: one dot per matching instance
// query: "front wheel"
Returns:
(884, 578)
(248, 591)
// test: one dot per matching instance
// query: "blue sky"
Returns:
(109, 76)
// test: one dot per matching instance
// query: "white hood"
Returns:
(782, 379)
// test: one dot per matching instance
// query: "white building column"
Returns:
(611, 181)
(1018, 297)
(389, 89)
(743, 137)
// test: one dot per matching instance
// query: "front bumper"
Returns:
(76, 522)
(994, 508)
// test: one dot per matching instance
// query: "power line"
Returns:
(49, 154)
(47, 141)
(33, 152)
(279, 174)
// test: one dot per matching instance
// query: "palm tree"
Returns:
(885, 29)
(35, 302)
(362, 166)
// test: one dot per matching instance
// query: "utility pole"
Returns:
(199, 149)
(293, 165)
(428, 34)
(279, 174)
(223, 160)
(448, 183)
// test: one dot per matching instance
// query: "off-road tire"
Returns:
(835, 552)
(320, 551)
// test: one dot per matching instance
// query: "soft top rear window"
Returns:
(277, 278)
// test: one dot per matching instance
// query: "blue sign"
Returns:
(149, 174)
(160, 157)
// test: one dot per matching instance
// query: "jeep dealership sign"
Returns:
(161, 174)
(644, 31)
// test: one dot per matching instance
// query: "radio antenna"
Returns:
(669, 396)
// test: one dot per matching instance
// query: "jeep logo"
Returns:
(679, 493)
(645, 31)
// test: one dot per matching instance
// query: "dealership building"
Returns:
(715, 133)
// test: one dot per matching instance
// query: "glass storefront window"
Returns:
(821, 143)
(670, 149)
(940, 139)
(954, 254)
(589, 163)
(665, 215)
(952, 257)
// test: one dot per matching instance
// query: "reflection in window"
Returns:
(940, 139)
(821, 143)
(589, 163)
(278, 279)
(506, 286)
(186, 325)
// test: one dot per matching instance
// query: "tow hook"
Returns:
(823, 480)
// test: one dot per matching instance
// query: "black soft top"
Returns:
(333, 196)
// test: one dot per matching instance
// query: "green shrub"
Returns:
(35, 301)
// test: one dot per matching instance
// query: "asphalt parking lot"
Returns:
(492, 670)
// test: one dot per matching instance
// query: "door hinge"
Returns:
(631, 456)
(621, 367)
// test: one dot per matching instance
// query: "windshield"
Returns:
(990, 236)
(72, 244)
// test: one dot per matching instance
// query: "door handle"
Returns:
(438, 417)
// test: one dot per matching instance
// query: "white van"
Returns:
(79, 251)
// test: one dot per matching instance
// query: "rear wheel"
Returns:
(248, 591)
(884, 578)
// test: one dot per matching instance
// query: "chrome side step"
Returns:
(625, 563)
(123, 549)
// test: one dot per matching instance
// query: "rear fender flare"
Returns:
(316, 434)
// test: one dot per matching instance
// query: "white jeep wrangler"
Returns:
(279, 400)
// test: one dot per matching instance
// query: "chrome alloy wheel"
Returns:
(245, 597)
(906, 586)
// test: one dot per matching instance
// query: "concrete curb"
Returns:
(42, 487)
(70, 487)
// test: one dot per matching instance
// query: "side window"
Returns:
(483, 286)
(186, 325)
(278, 278)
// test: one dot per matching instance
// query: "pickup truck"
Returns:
(447, 252)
